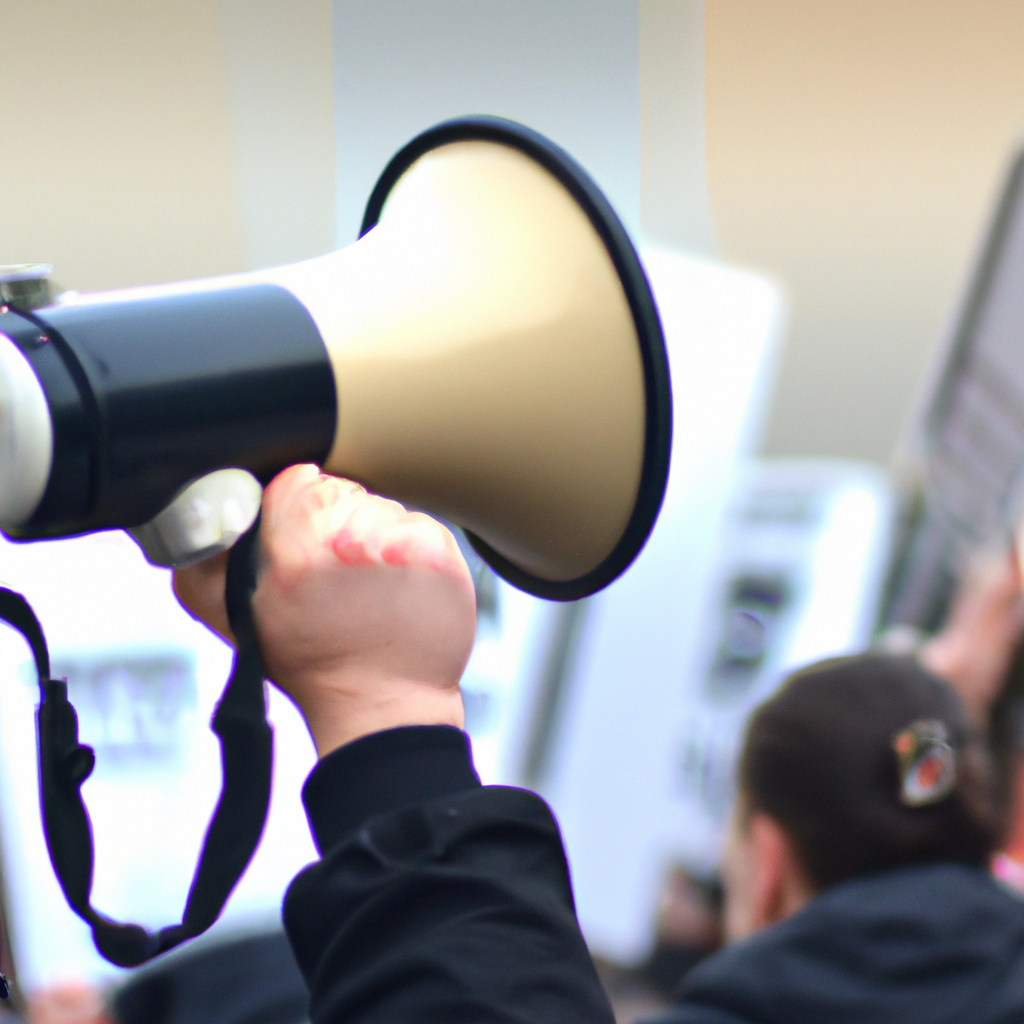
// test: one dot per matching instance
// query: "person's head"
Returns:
(858, 765)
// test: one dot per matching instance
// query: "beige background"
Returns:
(854, 147)
(117, 164)
(674, 206)
(145, 142)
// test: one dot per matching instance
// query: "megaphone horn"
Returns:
(489, 351)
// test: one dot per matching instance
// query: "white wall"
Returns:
(154, 142)
(117, 160)
(854, 148)
(569, 70)
(674, 204)
(279, 66)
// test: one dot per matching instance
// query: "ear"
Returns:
(779, 885)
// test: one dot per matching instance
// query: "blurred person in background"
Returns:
(979, 652)
(856, 875)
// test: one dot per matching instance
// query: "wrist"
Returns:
(339, 710)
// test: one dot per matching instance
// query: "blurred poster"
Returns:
(799, 578)
(144, 678)
(604, 709)
(964, 456)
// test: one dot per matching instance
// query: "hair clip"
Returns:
(927, 763)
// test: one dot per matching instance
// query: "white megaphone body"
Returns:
(489, 351)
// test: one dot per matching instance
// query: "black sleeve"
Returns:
(436, 899)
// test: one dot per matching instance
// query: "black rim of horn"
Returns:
(657, 389)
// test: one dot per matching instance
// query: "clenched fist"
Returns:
(365, 612)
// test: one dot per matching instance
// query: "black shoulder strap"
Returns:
(246, 753)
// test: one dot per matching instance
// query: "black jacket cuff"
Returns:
(385, 772)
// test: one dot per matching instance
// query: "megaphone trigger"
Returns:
(204, 520)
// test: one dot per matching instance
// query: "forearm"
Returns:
(436, 899)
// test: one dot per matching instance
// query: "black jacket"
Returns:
(942, 944)
(437, 900)
(442, 902)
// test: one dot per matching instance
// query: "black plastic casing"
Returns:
(151, 393)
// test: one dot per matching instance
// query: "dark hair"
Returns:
(819, 759)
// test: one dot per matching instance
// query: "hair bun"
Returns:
(927, 763)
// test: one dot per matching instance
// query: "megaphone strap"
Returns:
(246, 753)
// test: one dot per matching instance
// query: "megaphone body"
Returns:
(488, 351)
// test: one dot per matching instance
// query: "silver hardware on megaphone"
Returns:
(26, 436)
(26, 285)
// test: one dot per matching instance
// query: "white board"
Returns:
(606, 765)
(145, 677)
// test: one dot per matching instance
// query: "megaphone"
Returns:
(489, 351)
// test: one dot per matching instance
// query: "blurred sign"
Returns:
(595, 728)
(799, 579)
(965, 451)
(133, 710)
(144, 678)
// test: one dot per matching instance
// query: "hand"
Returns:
(200, 591)
(974, 649)
(365, 612)
(67, 1004)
